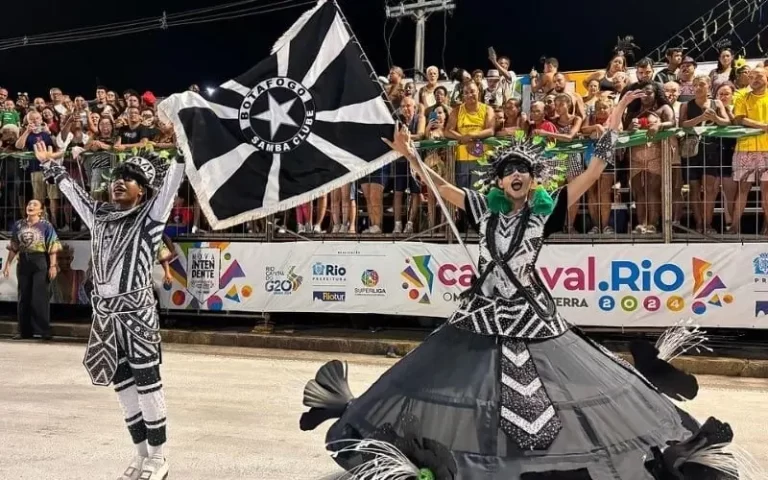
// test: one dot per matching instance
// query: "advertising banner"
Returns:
(609, 284)
(613, 285)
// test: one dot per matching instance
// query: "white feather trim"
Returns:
(388, 463)
(682, 338)
(731, 460)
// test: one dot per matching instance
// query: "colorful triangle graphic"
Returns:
(185, 247)
(411, 277)
(715, 300)
(232, 294)
(700, 268)
(424, 300)
(422, 264)
(713, 285)
(178, 272)
(234, 271)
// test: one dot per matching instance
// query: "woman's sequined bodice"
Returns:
(498, 307)
(524, 260)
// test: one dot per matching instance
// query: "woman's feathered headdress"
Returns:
(388, 455)
(546, 165)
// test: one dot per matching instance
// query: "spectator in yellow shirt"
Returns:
(750, 160)
(743, 79)
(470, 124)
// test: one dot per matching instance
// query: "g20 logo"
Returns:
(278, 286)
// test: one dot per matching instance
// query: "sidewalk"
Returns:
(367, 343)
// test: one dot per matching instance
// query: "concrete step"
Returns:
(335, 342)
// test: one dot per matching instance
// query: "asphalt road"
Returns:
(233, 413)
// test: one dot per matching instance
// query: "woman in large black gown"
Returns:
(507, 388)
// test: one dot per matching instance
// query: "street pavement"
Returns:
(233, 413)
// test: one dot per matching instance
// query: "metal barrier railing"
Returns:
(389, 200)
(651, 195)
(719, 193)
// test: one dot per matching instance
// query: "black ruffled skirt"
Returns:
(610, 417)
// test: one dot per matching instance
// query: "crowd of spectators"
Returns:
(92, 131)
(467, 107)
(475, 106)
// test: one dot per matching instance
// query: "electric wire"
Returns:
(445, 38)
(155, 23)
(234, 15)
(388, 41)
(147, 21)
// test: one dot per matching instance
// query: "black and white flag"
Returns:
(304, 121)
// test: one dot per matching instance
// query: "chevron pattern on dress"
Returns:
(527, 415)
(511, 318)
(130, 320)
(506, 227)
(101, 354)
(517, 359)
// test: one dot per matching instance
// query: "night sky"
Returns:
(581, 34)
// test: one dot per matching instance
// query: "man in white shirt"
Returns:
(494, 94)
(508, 82)
(57, 99)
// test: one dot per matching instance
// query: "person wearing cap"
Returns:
(685, 79)
(494, 94)
(124, 345)
(148, 99)
(508, 77)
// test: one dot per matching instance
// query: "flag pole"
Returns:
(364, 57)
(446, 212)
(430, 183)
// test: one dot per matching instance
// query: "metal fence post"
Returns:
(666, 189)
(450, 174)
(269, 228)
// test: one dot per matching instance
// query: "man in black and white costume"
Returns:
(124, 344)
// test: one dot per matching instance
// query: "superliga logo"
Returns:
(370, 280)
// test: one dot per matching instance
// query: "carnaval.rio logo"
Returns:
(708, 289)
